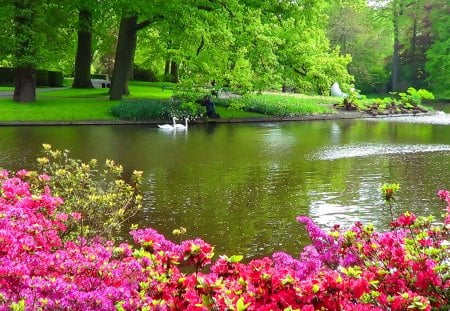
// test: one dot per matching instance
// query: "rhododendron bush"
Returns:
(405, 268)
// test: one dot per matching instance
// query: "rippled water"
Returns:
(241, 186)
(439, 118)
(366, 150)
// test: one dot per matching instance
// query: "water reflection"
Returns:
(240, 187)
(365, 150)
(438, 117)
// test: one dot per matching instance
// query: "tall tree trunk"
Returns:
(25, 85)
(397, 11)
(167, 70)
(414, 61)
(25, 51)
(126, 90)
(126, 45)
(82, 79)
(174, 71)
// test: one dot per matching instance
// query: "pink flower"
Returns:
(405, 220)
(62, 216)
(44, 177)
(75, 215)
(444, 195)
(3, 174)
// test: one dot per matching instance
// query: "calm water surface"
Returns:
(240, 187)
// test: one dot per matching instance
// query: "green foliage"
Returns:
(438, 56)
(366, 34)
(241, 76)
(279, 105)
(388, 191)
(102, 76)
(414, 97)
(152, 109)
(103, 198)
(411, 101)
(141, 74)
(18, 306)
(149, 109)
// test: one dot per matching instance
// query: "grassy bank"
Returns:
(94, 104)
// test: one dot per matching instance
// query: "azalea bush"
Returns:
(405, 268)
(100, 194)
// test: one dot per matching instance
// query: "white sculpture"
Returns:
(336, 91)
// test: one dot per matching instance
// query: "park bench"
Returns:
(100, 81)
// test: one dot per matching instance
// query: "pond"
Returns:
(241, 186)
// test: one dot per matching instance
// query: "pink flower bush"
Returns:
(406, 268)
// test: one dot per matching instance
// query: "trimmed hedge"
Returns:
(55, 78)
(102, 76)
(141, 74)
(43, 77)
(6, 76)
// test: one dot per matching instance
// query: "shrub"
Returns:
(102, 76)
(6, 76)
(101, 196)
(277, 105)
(414, 97)
(141, 74)
(55, 78)
(153, 109)
(41, 77)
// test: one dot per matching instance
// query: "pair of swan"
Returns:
(174, 126)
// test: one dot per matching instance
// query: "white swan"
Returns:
(168, 126)
(181, 126)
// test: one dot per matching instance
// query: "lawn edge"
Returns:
(318, 117)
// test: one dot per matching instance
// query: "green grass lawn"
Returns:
(227, 114)
(6, 88)
(74, 104)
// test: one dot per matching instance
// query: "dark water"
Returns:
(240, 187)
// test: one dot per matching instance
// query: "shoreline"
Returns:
(342, 115)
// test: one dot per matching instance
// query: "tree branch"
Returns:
(224, 5)
(202, 44)
(205, 8)
(149, 21)
(301, 72)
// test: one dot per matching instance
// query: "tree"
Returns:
(126, 47)
(33, 40)
(359, 30)
(25, 49)
(308, 63)
(93, 29)
(438, 55)
(397, 12)
(130, 25)
(83, 60)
